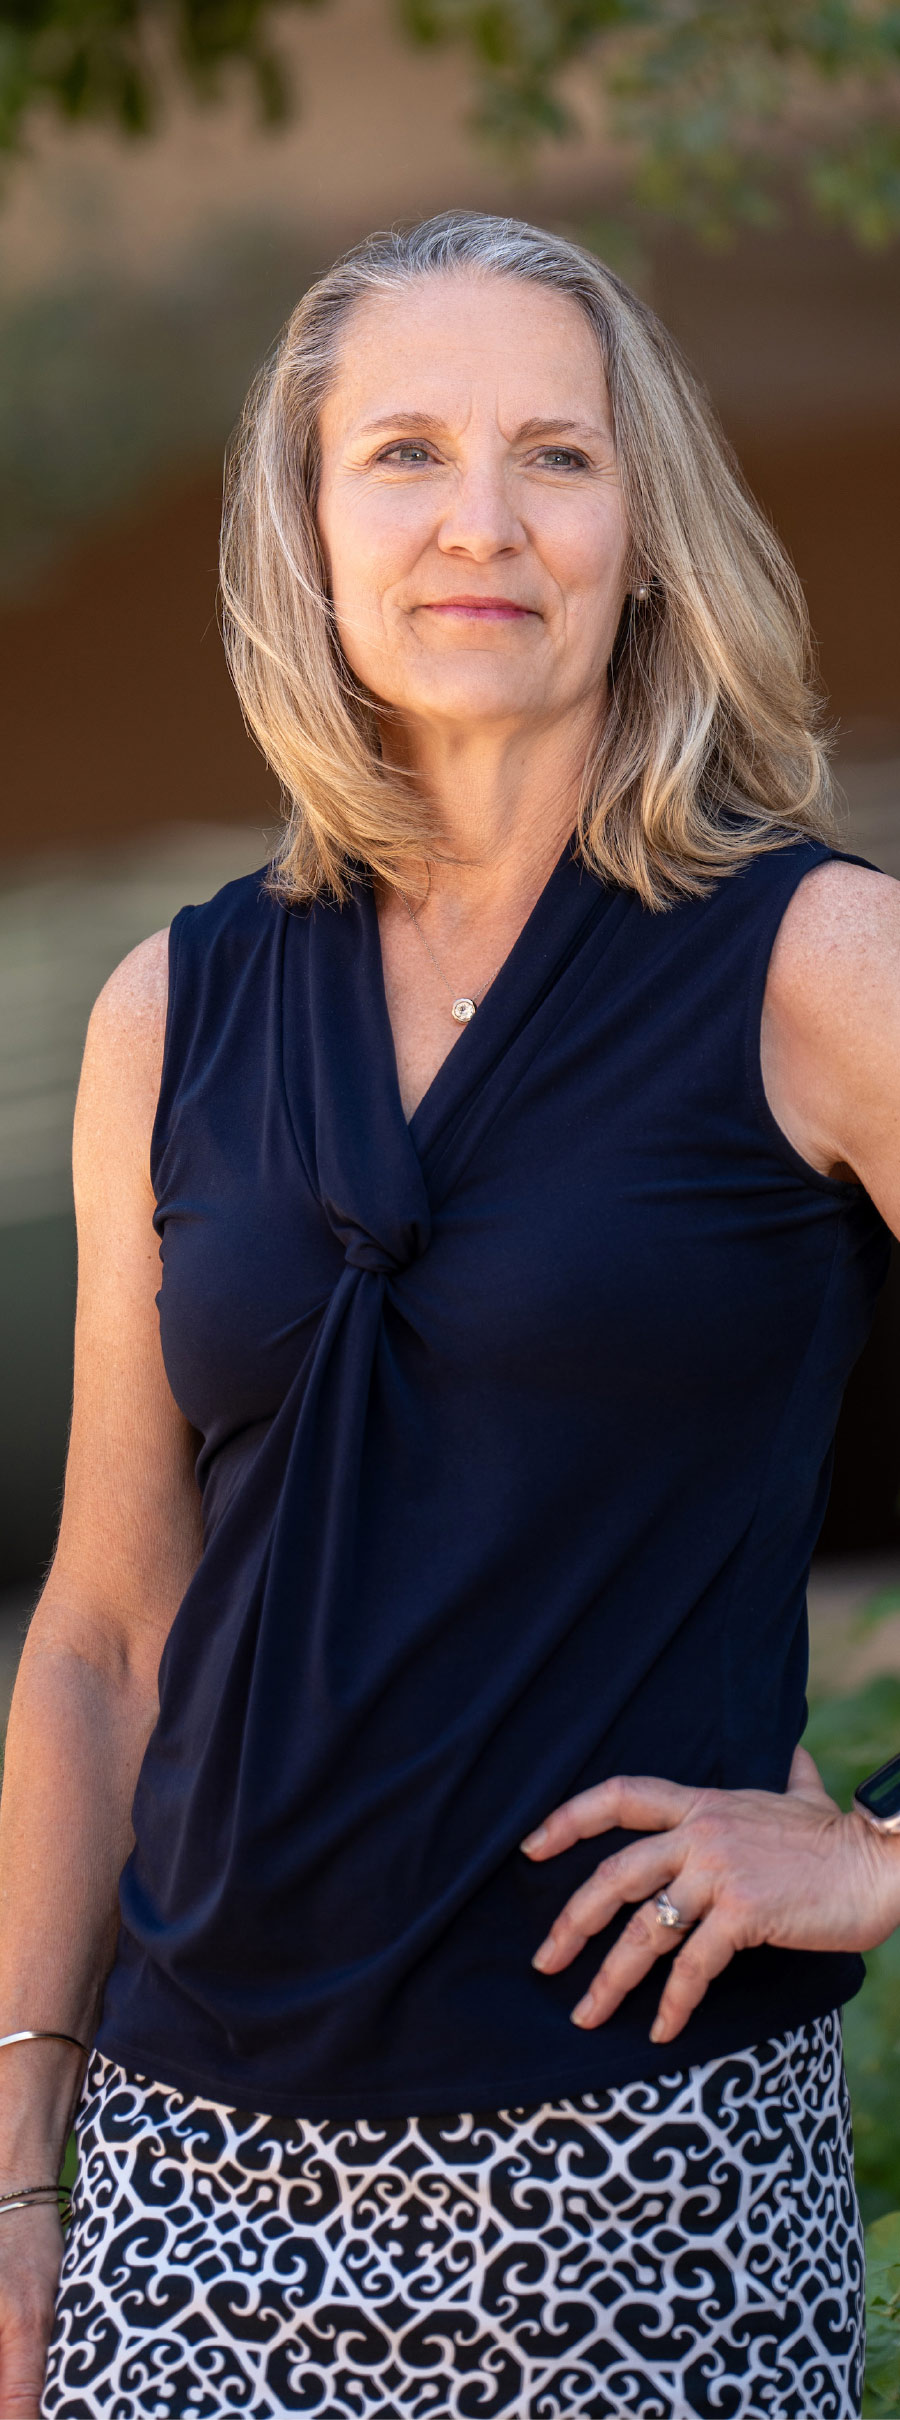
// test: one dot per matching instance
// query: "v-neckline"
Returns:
(514, 990)
(339, 1063)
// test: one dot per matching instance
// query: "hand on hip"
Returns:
(738, 1867)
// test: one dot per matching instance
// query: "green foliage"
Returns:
(70, 2164)
(878, 1608)
(849, 1736)
(99, 58)
(717, 107)
(109, 385)
(872, 2054)
(719, 104)
(883, 2317)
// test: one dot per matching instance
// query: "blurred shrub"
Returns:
(883, 2314)
(94, 58)
(714, 103)
(849, 1736)
(718, 102)
(105, 384)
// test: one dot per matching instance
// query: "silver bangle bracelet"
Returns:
(33, 2197)
(41, 2035)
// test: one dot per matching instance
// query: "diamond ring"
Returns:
(667, 1913)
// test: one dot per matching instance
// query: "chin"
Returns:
(476, 700)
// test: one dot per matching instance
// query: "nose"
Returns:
(481, 520)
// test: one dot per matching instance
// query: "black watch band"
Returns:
(878, 1797)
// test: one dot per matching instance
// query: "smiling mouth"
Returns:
(481, 609)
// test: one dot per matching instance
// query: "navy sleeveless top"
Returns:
(514, 1427)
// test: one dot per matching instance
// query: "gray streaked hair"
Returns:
(710, 747)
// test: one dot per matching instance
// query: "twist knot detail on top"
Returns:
(514, 1430)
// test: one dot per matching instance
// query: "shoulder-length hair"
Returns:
(710, 747)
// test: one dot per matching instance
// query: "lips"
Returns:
(485, 609)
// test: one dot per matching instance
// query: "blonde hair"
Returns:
(710, 748)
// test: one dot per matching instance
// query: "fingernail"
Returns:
(534, 1840)
(584, 2011)
(659, 2031)
(543, 1957)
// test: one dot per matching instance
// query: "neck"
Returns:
(503, 804)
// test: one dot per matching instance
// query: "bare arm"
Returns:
(750, 1866)
(85, 1698)
(831, 1028)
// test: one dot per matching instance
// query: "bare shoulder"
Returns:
(123, 1052)
(134, 996)
(838, 942)
(830, 1040)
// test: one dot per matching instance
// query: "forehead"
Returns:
(444, 343)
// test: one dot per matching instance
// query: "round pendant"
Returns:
(463, 1011)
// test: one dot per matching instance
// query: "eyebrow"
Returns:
(528, 428)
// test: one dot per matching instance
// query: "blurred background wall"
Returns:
(741, 165)
(142, 277)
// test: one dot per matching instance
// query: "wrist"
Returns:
(881, 1850)
(40, 2084)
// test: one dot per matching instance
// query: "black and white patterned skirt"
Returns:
(682, 2248)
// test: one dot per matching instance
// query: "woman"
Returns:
(521, 1149)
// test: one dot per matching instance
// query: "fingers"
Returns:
(626, 1803)
(646, 1866)
(709, 1949)
(642, 1941)
(745, 1865)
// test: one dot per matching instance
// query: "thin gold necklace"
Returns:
(464, 1004)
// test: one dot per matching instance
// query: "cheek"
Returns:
(372, 544)
(589, 565)
(356, 582)
(359, 577)
(367, 590)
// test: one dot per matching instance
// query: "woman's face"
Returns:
(470, 507)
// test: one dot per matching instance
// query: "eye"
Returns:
(405, 448)
(563, 457)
